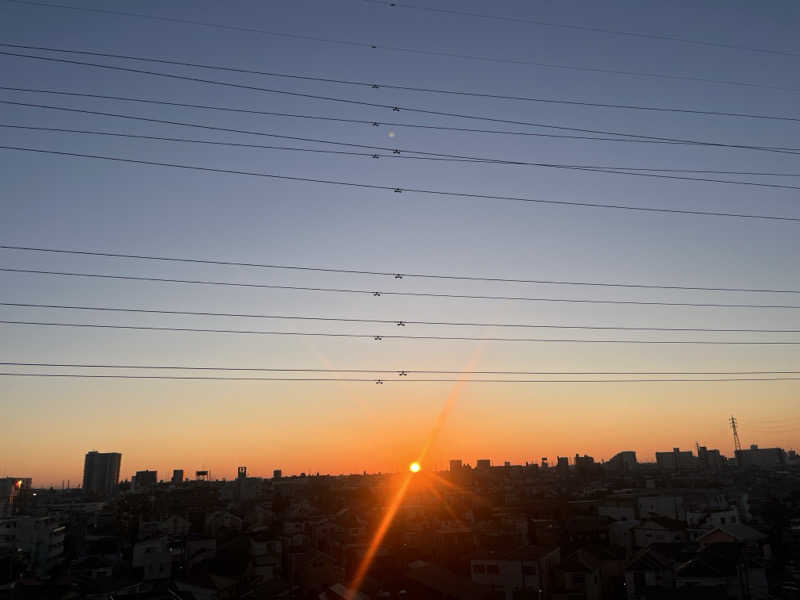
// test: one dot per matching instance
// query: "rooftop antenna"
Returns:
(737, 445)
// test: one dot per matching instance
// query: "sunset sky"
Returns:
(337, 427)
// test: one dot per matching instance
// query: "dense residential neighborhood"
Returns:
(690, 525)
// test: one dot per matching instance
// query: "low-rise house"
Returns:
(435, 582)
(318, 570)
(174, 526)
(152, 559)
(513, 571)
(659, 530)
(722, 569)
(582, 530)
(663, 506)
(611, 562)
(732, 533)
(220, 521)
(620, 535)
(578, 578)
(651, 569)
(710, 519)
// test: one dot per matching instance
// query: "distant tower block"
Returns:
(242, 473)
(201, 475)
(455, 465)
(277, 474)
(544, 462)
(177, 476)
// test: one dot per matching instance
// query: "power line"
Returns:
(394, 108)
(397, 322)
(407, 88)
(254, 146)
(421, 51)
(381, 381)
(636, 34)
(381, 337)
(374, 123)
(399, 372)
(392, 274)
(379, 293)
(398, 153)
(399, 190)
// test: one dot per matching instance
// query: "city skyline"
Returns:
(435, 464)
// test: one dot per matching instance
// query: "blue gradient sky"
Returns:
(85, 204)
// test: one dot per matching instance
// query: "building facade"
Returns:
(101, 473)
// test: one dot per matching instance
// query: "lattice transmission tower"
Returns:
(737, 445)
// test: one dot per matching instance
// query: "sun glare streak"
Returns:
(386, 522)
(455, 487)
(380, 533)
(447, 507)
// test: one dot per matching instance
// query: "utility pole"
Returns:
(737, 445)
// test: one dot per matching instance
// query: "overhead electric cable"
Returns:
(636, 34)
(392, 274)
(399, 372)
(406, 154)
(407, 88)
(394, 108)
(399, 190)
(381, 337)
(381, 381)
(418, 51)
(374, 123)
(400, 154)
(379, 293)
(398, 322)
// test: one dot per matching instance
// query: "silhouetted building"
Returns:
(101, 473)
(177, 476)
(40, 538)
(761, 457)
(483, 464)
(677, 460)
(10, 489)
(277, 474)
(455, 465)
(145, 479)
(562, 464)
(710, 459)
(623, 462)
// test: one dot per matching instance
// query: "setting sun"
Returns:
(414, 467)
